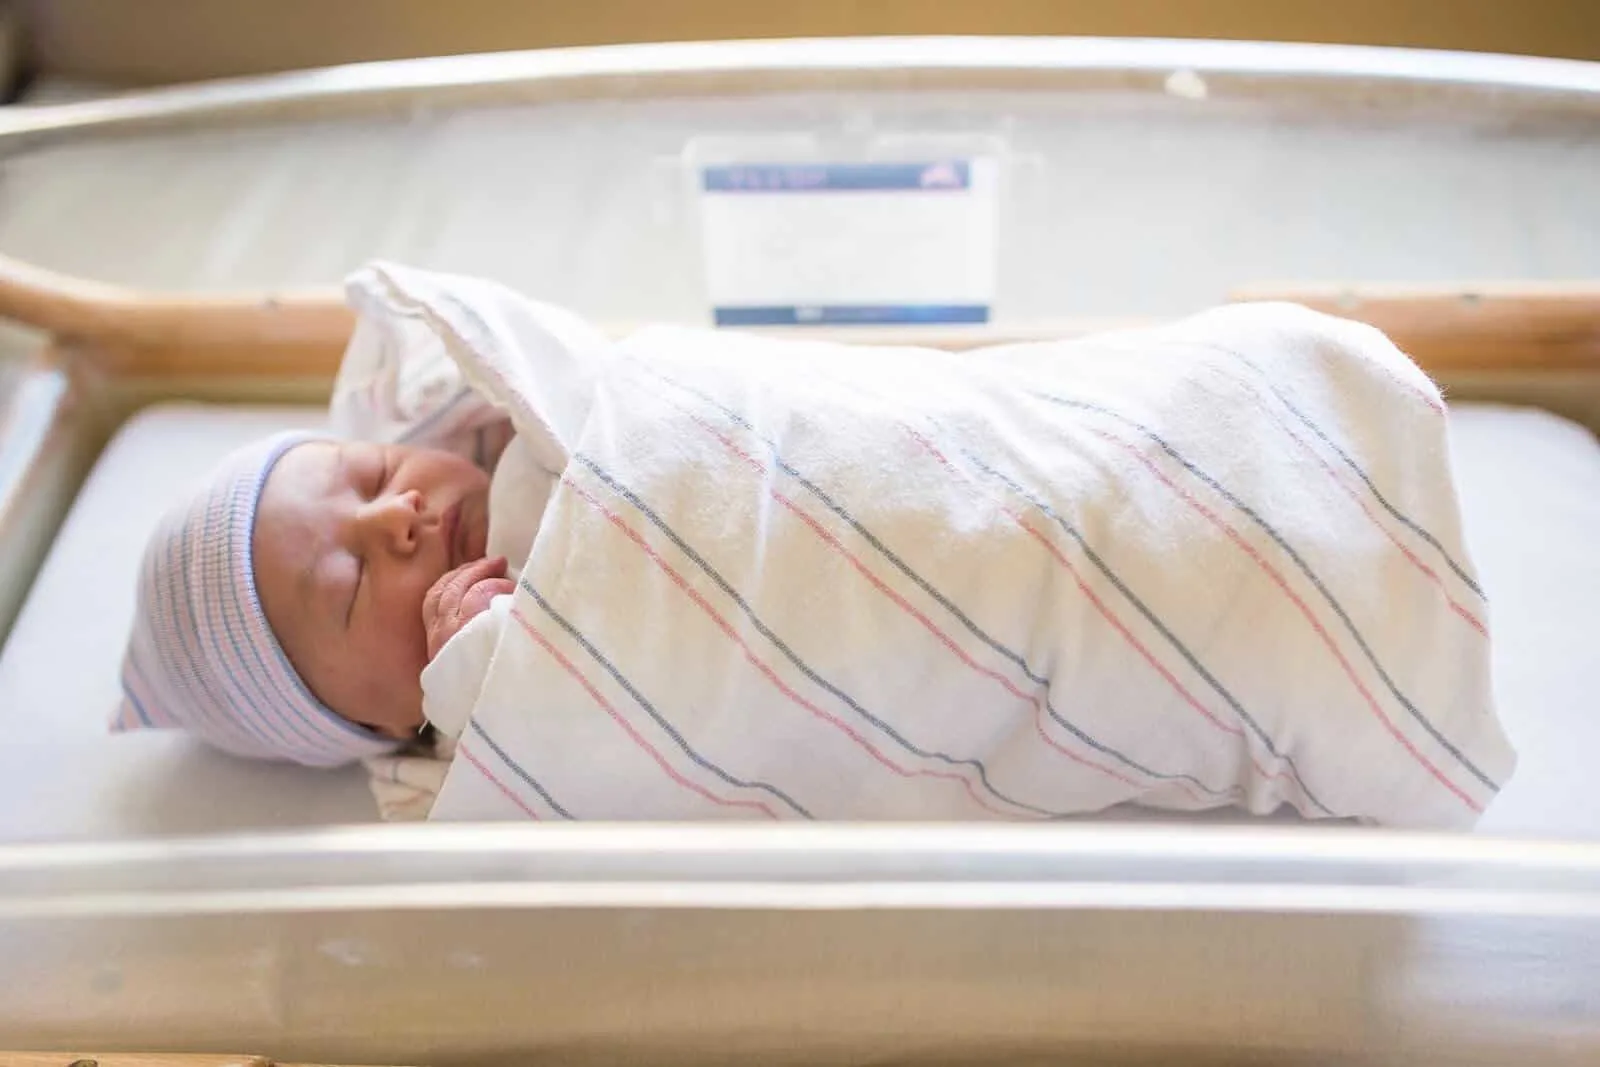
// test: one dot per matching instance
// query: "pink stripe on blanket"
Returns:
(1316, 624)
(761, 666)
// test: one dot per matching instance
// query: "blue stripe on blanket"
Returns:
(1150, 616)
(789, 654)
(955, 612)
(650, 709)
(1299, 562)
(1382, 500)
(518, 770)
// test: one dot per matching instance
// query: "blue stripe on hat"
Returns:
(202, 655)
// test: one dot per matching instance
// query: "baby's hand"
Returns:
(460, 595)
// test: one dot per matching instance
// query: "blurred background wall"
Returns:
(152, 41)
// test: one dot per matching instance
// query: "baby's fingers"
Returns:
(477, 598)
(454, 599)
(453, 587)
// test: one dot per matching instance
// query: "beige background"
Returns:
(140, 41)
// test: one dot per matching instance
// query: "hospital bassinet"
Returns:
(1139, 179)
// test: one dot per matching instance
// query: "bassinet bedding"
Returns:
(1530, 489)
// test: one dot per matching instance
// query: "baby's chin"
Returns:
(406, 725)
(409, 732)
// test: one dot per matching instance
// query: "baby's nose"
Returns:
(396, 518)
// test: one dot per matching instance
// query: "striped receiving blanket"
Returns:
(1217, 563)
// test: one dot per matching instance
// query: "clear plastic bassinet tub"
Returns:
(153, 896)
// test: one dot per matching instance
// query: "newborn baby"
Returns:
(288, 611)
(695, 574)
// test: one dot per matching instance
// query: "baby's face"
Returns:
(349, 537)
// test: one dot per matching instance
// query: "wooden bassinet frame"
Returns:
(1529, 343)
(1452, 331)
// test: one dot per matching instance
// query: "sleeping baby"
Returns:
(314, 574)
(287, 610)
(694, 574)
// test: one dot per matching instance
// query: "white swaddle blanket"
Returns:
(1214, 563)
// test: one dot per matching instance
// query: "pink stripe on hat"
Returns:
(202, 657)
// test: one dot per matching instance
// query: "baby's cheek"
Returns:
(401, 659)
(404, 635)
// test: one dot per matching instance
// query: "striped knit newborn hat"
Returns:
(202, 657)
